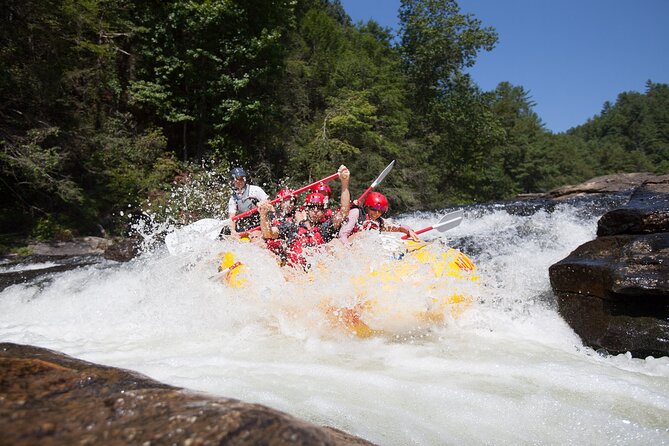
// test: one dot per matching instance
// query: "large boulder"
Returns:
(52, 399)
(614, 290)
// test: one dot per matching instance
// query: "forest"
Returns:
(116, 107)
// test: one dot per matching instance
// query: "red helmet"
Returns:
(285, 194)
(377, 201)
(322, 188)
(315, 199)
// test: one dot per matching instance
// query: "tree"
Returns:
(58, 83)
(207, 72)
(437, 43)
(633, 133)
(347, 102)
(518, 154)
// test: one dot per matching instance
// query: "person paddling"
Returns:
(244, 197)
(324, 189)
(321, 188)
(285, 212)
(316, 229)
(370, 218)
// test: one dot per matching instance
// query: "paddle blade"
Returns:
(383, 174)
(376, 182)
(449, 221)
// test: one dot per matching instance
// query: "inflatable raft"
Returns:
(444, 278)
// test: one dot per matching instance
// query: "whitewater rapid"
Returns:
(507, 371)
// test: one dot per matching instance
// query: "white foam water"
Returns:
(507, 371)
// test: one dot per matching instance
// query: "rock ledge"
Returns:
(52, 399)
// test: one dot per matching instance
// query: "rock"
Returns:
(614, 293)
(123, 250)
(645, 213)
(50, 398)
(602, 185)
(17, 269)
(614, 290)
(76, 247)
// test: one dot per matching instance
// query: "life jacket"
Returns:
(317, 235)
(278, 246)
(243, 201)
(365, 224)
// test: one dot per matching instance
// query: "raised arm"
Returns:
(345, 199)
(268, 231)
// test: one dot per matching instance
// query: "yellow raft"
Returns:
(445, 277)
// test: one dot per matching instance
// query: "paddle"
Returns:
(448, 221)
(226, 270)
(211, 227)
(377, 181)
(277, 199)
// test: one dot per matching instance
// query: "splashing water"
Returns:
(508, 370)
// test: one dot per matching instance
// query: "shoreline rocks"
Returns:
(50, 398)
(76, 247)
(46, 258)
(606, 184)
(614, 290)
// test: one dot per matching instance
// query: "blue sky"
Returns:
(571, 55)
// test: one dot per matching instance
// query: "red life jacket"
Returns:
(278, 246)
(305, 238)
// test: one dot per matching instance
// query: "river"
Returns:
(506, 371)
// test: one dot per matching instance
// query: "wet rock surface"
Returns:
(41, 268)
(49, 398)
(614, 290)
(123, 250)
(48, 258)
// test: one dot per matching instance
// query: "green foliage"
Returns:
(437, 43)
(207, 70)
(110, 106)
(50, 228)
(38, 167)
(632, 134)
(351, 105)
(22, 251)
(131, 163)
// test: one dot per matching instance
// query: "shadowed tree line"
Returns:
(109, 105)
